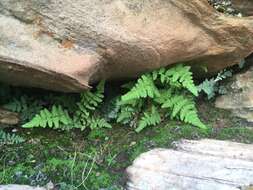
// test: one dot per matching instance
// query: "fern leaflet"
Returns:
(149, 119)
(89, 102)
(176, 76)
(7, 138)
(184, 107)
(143, 88)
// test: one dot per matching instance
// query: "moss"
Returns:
(72, 160)
(238, 134)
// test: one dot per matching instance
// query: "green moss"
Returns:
(72, 160)
(239, 134)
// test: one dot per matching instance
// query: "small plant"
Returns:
(84, 116)
(7, 138)
(211, 86)
(51, 119)
(24, 105)
(159, 94)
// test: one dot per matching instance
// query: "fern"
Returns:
(97, 123)
(149, 119)
(165, 95)
(83, 116)
(211, 86)
(7, 138)
(126, 114)
(88, 104)
(184, 108)
(51, 119)
(27, 107)
(170, 89)
(178, 76)
(143, 88)
(129, 111)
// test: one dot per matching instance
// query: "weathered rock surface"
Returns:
(8, 118)
(195, 165)
(240, 96)
(19, 187)
(66, 45)
(245, 6)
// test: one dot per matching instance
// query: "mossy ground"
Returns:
(97, 159)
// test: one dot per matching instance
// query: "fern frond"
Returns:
(27, 107)
(98, 123)
(128, 85)
(88, 104)
(211, 86)
(177, 76)
(164, 96)
(192, 118)
(126, 114)
(91, 100)
(143, 88)
(51, 119)
(149, 119)
(184, 108)
(7, 138)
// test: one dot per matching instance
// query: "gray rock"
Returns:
(19, 187)
(195, 165)
(240, 96)
(8, 118)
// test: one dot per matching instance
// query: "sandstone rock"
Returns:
(19, 187)
(66, 45)
(195, 165)
(240, 96)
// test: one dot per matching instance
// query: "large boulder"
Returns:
(66, 45)
(195, 165)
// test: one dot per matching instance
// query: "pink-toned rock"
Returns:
(66, 45)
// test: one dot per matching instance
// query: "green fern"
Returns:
(128, 111)
(83, 116)
(24, 105)
(7, 138)
(126, 114)
(143, 88)
(170, 89)
(149, 119)
(165, 94)
(51, 119)
(184, 108)
(89, 103)
(211, 86)
(178, 76)
(98, 123)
